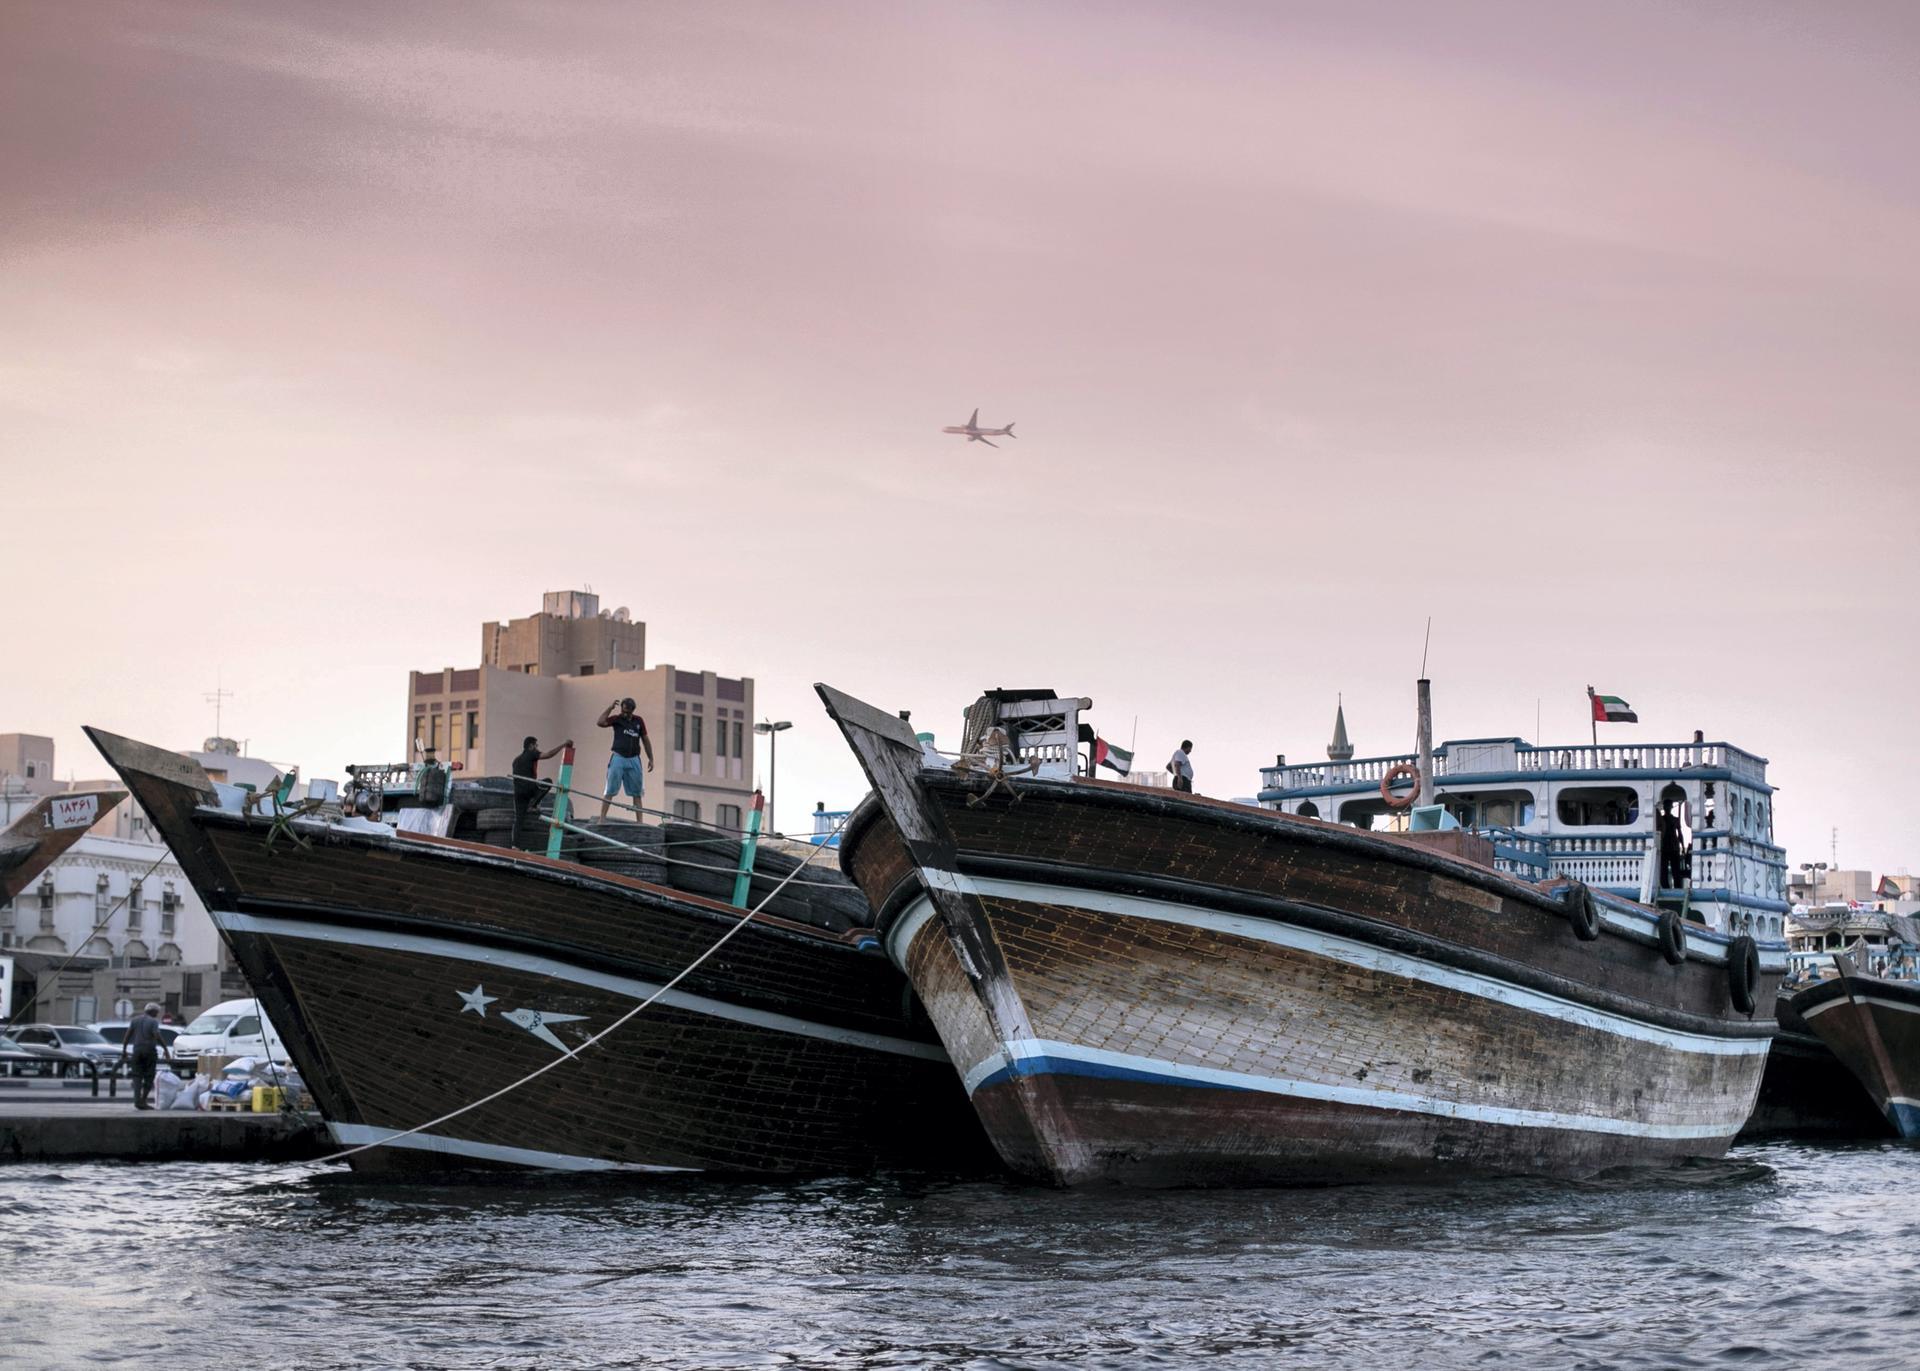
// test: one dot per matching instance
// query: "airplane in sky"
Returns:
(975, 434)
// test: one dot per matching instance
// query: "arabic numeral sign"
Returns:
(74, 811)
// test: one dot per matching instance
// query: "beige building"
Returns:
(551, 674)
(26, 764)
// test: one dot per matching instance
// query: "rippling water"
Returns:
(1782, 1254)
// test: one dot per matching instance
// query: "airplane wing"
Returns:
(988, 441)
(974, 422)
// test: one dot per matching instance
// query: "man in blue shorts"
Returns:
(623, 767)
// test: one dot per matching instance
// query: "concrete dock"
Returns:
(39, 1126)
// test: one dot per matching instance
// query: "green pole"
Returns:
(743, 879)
(565, 786)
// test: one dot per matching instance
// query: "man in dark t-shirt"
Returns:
(527, 789)
(143, 1042)
(623, 767)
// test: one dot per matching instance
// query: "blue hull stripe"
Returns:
(1032, 1058)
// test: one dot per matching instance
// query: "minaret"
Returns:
(1340, 750)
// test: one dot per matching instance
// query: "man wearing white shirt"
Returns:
(1181, 765)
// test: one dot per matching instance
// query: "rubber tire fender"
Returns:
(1743, 973)
(1581, 912)
(1673, 937)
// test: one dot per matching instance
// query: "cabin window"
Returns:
(1308, 810)
(1598, 806)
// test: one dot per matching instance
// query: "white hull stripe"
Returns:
(360, 1135)
(566, 971)
(1355, 953)
(1039, 1057)
(1884, 1003)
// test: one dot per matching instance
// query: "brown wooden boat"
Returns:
(1872, 1024)
(411, 975)
(1157, 988)
(1806, 1091)
(42, 833)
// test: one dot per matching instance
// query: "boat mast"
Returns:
(1423, 689)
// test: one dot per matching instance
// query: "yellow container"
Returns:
(267, 1098)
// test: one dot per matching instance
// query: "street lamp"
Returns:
(772, 729)
(1813, 870)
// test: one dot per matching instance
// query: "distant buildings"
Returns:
(551, 674)
(115, 911)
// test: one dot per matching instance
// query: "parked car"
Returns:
(18, 1059)
(83, 1043)
(115, 1032)
(234, 1028)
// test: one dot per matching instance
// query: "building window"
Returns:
(738, 729)
(586, 668)
(698, 724)
(1602, 806)
(730, 816)
(169, 899)
(687, 809)
(135, 906)
(433, 731)
(473, 728)
(29, 771)
(46, 893)
(101, 895)
(680, 732)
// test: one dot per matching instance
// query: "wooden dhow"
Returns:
(1157, 988)
(1872, 1025)
(412, 976)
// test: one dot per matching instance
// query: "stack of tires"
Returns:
(705, 863)
(639, 856)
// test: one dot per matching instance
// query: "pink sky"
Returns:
(331, 332)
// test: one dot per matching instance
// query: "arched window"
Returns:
(1308, 810)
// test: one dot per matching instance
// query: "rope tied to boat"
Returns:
(570, 1053)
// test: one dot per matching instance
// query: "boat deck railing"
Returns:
(1455, 759)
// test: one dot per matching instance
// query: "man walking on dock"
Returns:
(623, 767)
(1181, 765)
(527, 788)
(143, 1040)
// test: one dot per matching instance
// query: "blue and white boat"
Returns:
(1685, 825)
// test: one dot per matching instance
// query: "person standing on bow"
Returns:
(623, 767)
(1181, 766)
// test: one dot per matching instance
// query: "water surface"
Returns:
(1787, 1254)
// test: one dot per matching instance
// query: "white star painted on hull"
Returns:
(476, 999)
(535, 1021)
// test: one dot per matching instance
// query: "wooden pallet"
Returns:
(218, 1104)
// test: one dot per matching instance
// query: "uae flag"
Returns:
(1106, 754)
(1889, 888)
(1611, 709)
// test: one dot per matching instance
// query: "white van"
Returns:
(233, 1028)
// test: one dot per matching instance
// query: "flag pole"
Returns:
(1593, 718)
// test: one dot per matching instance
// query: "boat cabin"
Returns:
(1684, 825)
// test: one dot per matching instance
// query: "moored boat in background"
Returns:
(1162, 989)
(1871, 1024)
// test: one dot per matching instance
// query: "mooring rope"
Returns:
(652, 855)
(573, 1052)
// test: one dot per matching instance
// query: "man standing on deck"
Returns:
(1181, 765)
(527, 789)
(143, 1040)
(623, 767)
